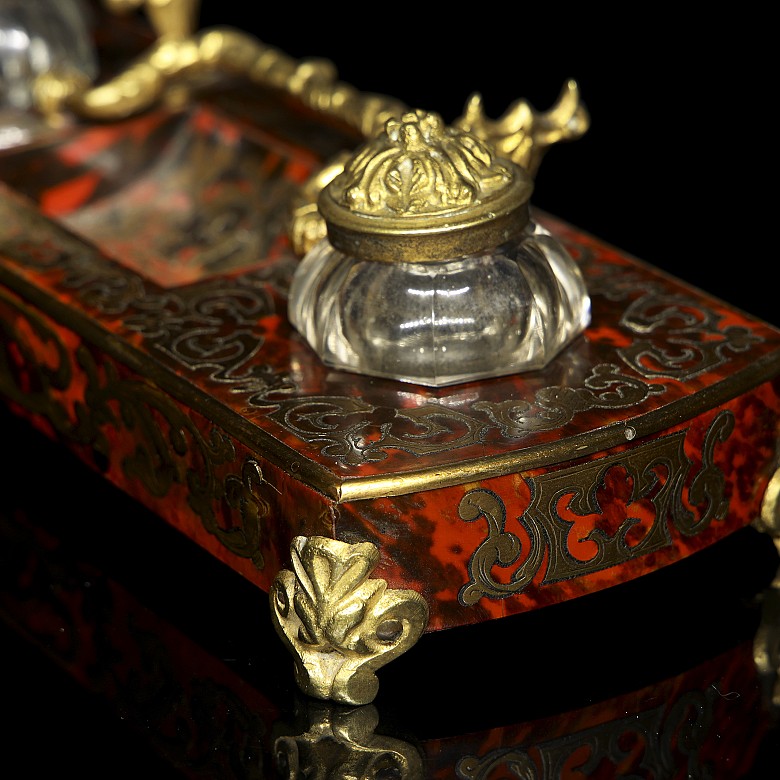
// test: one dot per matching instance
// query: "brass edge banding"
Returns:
(346, 489)
(564, 450)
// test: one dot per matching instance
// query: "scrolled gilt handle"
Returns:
(523, 134)
(181, 57)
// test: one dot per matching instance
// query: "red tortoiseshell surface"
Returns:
(144, 267)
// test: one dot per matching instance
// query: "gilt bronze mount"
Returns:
(340, 625)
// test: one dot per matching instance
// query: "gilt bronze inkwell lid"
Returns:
(433, 271)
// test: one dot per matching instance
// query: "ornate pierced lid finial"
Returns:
(423, 191)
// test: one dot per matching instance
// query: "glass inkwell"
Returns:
(433, 270)
(40, 38)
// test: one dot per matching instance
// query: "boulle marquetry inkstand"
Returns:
(607, 423)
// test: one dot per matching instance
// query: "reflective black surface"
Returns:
(128, 650)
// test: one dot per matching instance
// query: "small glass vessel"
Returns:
(433, 271)
(39, 37)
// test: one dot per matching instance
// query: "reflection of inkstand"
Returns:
(202, 710)
(695, 720)
(331, 740)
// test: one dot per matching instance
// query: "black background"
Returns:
(678, 166)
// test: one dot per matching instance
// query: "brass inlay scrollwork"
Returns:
(654, 475)
(187, 325)
(168, 449)
(352, 431)
(340, 742)
(605, 387)
(340, 625)
(678, 338)
(213, 334)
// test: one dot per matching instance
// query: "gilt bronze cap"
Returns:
(421, 191)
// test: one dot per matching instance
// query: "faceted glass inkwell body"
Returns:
(433, 271)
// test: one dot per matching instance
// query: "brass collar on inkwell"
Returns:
(433, 270)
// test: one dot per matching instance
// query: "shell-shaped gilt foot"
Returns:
(340, 625)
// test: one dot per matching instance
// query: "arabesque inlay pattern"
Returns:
(215, 331)
(169, 449)
(565, 523)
